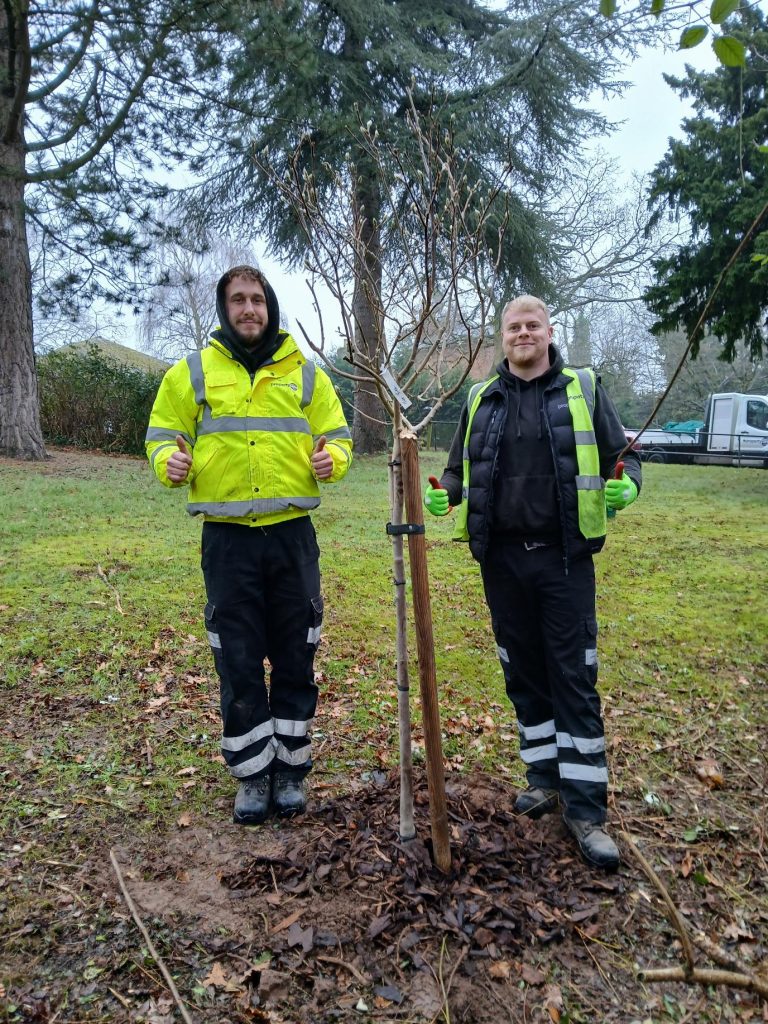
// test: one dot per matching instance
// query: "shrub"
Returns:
(90, 400)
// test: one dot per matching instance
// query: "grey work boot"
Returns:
(252, 801)
(535, 801)
(595, 844)
(288, 794)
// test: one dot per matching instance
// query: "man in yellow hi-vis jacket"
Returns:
(253, 427)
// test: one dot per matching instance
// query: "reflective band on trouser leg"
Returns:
(233, 623)
(583, 775)
(580, 392)
(538, 751)
(295, 622)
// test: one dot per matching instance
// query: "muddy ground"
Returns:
(329, 917)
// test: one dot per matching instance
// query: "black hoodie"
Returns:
(525, 490)
(252, 357)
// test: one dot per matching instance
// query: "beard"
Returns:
(250, 340)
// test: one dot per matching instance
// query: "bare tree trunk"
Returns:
(20, 433)
(369, 431)
(407, 827)
(425, 646)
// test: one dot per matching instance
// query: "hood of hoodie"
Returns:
(517, 387)
(251, 356)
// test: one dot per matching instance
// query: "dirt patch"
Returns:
(330, 917)
(64, 461)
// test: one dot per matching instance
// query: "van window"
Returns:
(757, 415)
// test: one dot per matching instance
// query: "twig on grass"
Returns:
(121, 999)
(688, 972)
(344, 963)
(115, 591)
(706, 976)
(673, 912)
(153, 952)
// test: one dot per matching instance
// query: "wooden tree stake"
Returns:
(425, 647)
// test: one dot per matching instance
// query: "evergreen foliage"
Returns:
(717, 178)
(509, 82)
(302, 79)
(88, 123)
(101, 126)
(90, 400)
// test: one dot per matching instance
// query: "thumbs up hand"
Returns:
(178, 466)
(320, 460)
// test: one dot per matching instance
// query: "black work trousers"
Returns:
(546, 631)
(264, 601)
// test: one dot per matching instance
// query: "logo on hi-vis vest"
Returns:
(280, 384)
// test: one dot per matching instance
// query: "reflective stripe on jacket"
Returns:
(580, 393)
(251, 439)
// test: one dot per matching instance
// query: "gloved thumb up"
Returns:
(620, 493)
(436, 498)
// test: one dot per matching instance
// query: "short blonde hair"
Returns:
(527, 301)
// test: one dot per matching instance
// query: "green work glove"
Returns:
(620, 493)
(436, 500)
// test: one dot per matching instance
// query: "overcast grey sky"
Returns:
(650, 110)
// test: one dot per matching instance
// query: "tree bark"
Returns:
(425, 647)
(369, 423)
(20, 434)
(407, 827)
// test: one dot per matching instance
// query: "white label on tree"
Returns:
(394, 388)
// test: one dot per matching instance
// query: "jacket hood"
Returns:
(251, 357)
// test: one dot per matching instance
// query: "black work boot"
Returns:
(595, 844)
(535, 801)
(288, 795)
(252, 801)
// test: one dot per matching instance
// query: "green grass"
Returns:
(109, 687)
(110, 723)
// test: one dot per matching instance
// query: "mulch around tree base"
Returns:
(331, 917)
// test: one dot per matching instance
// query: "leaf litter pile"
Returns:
(330, 917)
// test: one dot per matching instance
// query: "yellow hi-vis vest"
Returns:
(251, 440)
(590, 487)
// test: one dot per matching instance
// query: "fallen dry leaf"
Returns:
(184, 820)
(159, 702)
(709, 772)
(687, 865)
(532, 975)
(287, 921)
(217, 978)
(500, 969)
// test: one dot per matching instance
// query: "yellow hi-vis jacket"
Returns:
(251, 440)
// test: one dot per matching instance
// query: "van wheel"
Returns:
(656, 456)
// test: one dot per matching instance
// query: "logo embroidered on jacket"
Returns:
(280, 384)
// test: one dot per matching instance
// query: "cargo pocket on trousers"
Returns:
(590, 649)
(313, 636)
(211, 628)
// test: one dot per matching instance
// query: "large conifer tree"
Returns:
(717, 177)
(80, 114)
(303, 75)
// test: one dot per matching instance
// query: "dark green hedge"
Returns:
(89, 400)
